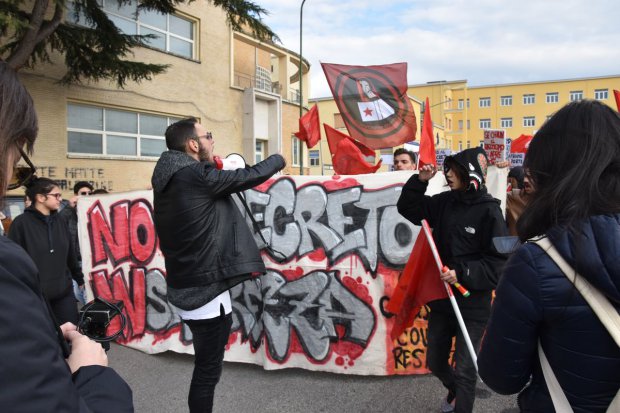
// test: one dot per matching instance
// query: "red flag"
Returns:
(310, 127)
(617, 96)
(427, 142)
(373, 103)
(521, 144)
(419, 283)
(348, 156)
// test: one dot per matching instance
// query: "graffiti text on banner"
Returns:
(345, 245)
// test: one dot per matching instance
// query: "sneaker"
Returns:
(447, 405)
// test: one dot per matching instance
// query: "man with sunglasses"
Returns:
(207, 245)
(69, 214)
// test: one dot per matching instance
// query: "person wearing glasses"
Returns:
(207, 245)
(35, 375)
(45, 237)
(69, 214)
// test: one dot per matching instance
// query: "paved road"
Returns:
(160, 383)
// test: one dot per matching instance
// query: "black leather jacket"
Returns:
(204, 238)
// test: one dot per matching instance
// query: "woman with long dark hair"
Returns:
(35, 376)
(574, 164)
(45, 236)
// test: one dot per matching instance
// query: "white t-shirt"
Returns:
(209, 310)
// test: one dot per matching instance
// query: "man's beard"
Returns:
(203, 153)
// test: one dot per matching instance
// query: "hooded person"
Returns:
(464, 220)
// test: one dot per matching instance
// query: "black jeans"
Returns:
(461, 380)
(210, 337)
(65, 308)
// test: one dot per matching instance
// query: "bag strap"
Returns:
(600, 304)
(560, 402)
(602, 308)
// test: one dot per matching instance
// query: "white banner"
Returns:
(345, 244)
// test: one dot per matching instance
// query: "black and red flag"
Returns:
(373, 103)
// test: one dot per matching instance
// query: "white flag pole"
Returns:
(426, 228)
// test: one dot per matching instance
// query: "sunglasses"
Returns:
(22, 174)
(207, 135)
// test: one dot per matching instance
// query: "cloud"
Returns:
(483, 41)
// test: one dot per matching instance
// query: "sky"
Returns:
(485, 42)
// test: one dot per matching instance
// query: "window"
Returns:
(468, 102)
(505, 101)
(338, 122)
(314, 158)
(601, 94)
(529, 121)
(529, 99)
(485, 123)
(468, 124)
(576, 95)
(460, 146)
(105, 131)
(506, 123)
(460, 124)
(295, 150)
(485, 102)
(461, 103)
(261, 150)
(468, 144)
(553, 97)
(263, 79)
(172, 34)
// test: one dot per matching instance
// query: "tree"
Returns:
(95, 48)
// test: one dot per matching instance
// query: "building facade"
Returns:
(517, 108)
(244, 91)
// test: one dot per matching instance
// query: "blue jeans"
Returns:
(210, 337)
(460, 380)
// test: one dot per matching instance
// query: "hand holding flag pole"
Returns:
(427, 230)
(458, 285)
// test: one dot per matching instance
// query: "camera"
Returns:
(96, 316)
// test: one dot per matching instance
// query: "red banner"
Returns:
(373, 103)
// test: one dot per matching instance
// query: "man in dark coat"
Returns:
(207, 245)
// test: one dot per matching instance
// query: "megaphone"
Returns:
(231, 162)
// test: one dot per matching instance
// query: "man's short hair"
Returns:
(81, 184)
(403, 151)
(179, 133)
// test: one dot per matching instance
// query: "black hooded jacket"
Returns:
(464, 224)
(47, 240)
(205, 240)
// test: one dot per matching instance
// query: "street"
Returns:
(160, 383)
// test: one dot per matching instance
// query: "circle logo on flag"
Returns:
(373, 106)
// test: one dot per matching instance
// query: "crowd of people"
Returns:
(539, 337)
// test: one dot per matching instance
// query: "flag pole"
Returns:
(301, 91)
(455, 306)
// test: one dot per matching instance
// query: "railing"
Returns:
(294, 95)
(244, 80)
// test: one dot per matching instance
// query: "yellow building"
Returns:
(518, 108)
(246, 92)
